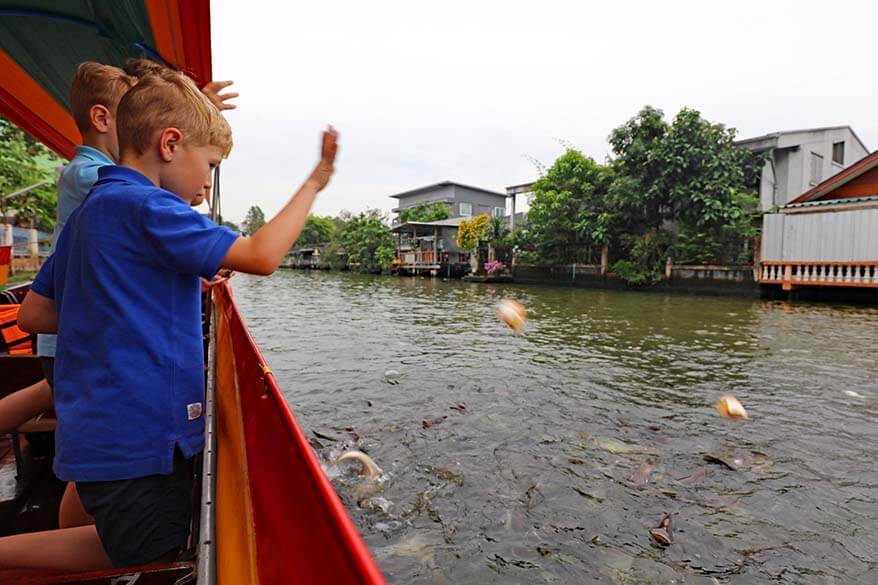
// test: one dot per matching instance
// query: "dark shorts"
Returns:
(142, 520)
(48, 364)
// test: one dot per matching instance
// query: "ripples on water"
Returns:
(535, 479)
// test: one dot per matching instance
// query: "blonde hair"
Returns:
(96, 84)
(142, 67)
(167, 99)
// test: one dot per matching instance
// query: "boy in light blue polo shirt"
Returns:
(76, 180)
(123, 296)
(95, 92)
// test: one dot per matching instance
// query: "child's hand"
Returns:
(324, 169)
(206, 285)
(212, 91)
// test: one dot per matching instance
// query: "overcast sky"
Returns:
(468, 90)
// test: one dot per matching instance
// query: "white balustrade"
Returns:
(848, 274)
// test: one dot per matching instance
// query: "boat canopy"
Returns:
(42, 42)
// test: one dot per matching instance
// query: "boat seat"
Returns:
(159, 573)
(42, 423)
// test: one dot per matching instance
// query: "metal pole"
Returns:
(26, 189)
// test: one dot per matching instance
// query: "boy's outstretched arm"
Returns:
(263, 252)
(37, 314)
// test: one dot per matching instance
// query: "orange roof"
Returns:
(858, 180)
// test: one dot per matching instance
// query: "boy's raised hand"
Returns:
(324, 169)
(263, 252)
(220, 100)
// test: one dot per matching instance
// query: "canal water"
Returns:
(546, 457)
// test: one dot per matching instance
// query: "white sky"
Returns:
(465, 91)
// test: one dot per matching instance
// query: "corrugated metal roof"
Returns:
(822, 202)
(775, 135)
(444, 184)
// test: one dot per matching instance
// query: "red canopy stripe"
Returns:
(164, 19)
(31, 108)
(195, 19)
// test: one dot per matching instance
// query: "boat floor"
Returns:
(155, 574)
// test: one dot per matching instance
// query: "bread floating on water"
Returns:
(729, 407)
(513, 314)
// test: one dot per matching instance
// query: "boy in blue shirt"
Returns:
(95, 92)
(122, 292)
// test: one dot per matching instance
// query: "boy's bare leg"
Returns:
(71, 513)
(66, 549)
(22, 405)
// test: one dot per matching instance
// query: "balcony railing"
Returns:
(790, 274)
(427, 259)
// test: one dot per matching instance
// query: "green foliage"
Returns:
(25, 162)
(646, 258)
(690, 174)
(332, 256)
(679, 190)
(571, 215)
(367, 242)
(471, 232)
(317, 230)
(255, 219)
(497, 231)
(231, 225)
(425, 212)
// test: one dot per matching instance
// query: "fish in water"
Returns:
(729, 407)
(391, 377)
(367, 466)
(641, 477)
(661, 534)
(853, 394)
(720, 460)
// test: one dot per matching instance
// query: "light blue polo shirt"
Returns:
(129, 367)
(76, 180)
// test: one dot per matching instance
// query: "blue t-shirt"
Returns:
(76, 180)
(129, 369)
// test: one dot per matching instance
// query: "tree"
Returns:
(367, 242)
(255, 219)
(470, 233)
(425, 212)
(686, 178)
(572, 216)
(25, 162)
(636, 188)
(317, 230)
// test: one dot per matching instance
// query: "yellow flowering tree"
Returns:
(470, 233)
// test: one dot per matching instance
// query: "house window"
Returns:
(816, 168)
(499, 211)
(838, 153)
(466, 209)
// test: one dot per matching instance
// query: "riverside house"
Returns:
(827, 237)
(802, 159)
(429, 247)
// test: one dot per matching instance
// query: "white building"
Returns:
(802, 159)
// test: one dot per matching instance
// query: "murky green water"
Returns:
(525, 458)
